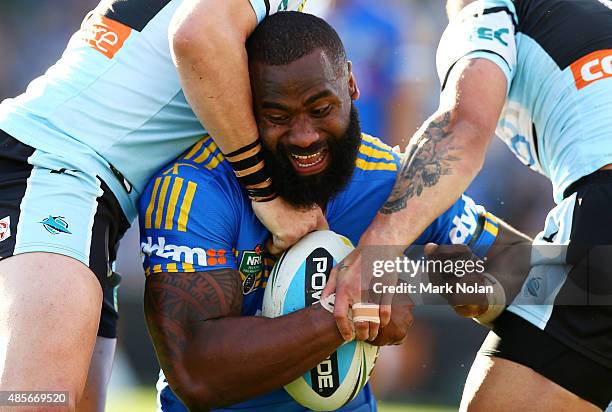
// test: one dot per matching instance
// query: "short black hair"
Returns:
(287, 36)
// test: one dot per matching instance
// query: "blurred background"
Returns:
(392, 44)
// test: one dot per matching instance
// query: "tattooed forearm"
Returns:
(177, 304)
(428, 159)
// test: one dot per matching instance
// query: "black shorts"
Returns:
(517, 340)
(560, 324)
(48, 205)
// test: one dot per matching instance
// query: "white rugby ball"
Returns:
(296, 281)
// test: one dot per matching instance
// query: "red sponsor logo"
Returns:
(216, 257)
(592, 68)
(5, 228)
(105, 35)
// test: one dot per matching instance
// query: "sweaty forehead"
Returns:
(315, 71)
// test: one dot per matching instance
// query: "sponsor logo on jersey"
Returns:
(177, 253)
(5, 228)
(487, 33)
(592, 68)
(105, 35)
(56, 225)
(251, 269)
(464, 226)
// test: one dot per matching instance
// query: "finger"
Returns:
(341, 308)
(362, 330)
(272, 248)
(385, 314)
(330, 287)
(373, 332)
(322, 222)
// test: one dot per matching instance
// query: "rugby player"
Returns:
(538, 73)
(204, 247)
(76, 151)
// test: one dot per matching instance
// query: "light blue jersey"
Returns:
(558, 114)
(113, 100)
(195, 217)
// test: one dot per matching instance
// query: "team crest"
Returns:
(56, 225)
(251, 269)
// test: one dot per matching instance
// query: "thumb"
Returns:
(322, 222)
(272, 248)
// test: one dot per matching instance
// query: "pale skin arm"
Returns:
(207, 41)
(442, 159)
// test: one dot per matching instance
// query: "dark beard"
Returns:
(308, 191)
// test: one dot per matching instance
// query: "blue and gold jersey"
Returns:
(194, 216)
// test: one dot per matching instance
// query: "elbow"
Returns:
(192, 42)
(187, 44)
(197, 396)
(472, 139)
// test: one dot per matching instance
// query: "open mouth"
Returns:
(311, 163)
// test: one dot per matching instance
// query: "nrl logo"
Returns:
(251, 269)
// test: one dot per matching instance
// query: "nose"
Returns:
(303, 133)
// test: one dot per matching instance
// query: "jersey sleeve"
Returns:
(484, 29)
(264, 8)
(463, 223)
(188, 223)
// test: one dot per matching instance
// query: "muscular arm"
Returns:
(208, 47)
(212, 356)
(444, 156)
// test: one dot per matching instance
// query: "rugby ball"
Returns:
(296, 281)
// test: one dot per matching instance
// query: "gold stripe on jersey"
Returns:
(188, 267)
(196, 147)
(376, 142)
(369, 151)
(161, 202)
(171, 268)
(177, 186)
(151, 206)
(186, 206)
(207, 157)
(156, 269)
(175, 168)
(365, 165)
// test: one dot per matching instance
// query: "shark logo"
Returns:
(533, 286)
(56, 225)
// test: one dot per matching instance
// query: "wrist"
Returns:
(383, 231)
(323, 321)
(249, 168)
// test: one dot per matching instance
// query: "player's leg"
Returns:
(522, 366)
(98, 377)
(94, 395)
(49, 314)
(58, 230)
(496, 384)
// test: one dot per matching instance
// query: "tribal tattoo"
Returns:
(178, 304)
(428, 158)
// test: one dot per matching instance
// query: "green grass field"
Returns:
(143, 400)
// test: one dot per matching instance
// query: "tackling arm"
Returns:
(444, 156)
(207, 40)
(212, 356)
